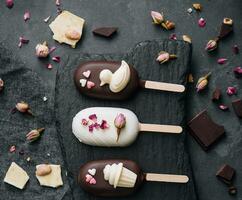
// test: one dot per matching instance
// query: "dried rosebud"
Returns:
(223, 107)
(119, 123)
(23, 107)
(34, 134)
(186, 38)
(157, 17)
(9, 3)
(202, 82)
(201, 22)
(197, 6)
(12, 149)
(165, 56)
(168, 25)
(231, 91)
(42, 50)
(238, 72)
(235, 49)
(211, 45)
(1, 85)
(221, 61)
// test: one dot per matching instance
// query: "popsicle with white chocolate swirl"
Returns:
(118, 177)
(114, 80)
(106, 126)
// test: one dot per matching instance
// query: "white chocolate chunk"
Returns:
(53, 179)
(16, 176)
(63, 23)
(107, 136)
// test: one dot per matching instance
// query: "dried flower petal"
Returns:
(157, 17)
(202, 82)
(235, 49)
(91, 127)
(9, 3)
(223, 107)
(221, 61)
(173, 36)
(47, 19)
(96, 125)
(52, 49)
(84, 122)
(238, 72)
(49, 66)
(22, 41)
(202, 22)
(12, 149)
(1, 85)
(57, 2)
(56, 58)
(26, 16)
(231, 91)
(93, 117)
(104, 124)
(211, 45)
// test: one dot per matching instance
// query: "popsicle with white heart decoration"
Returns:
(106, 126)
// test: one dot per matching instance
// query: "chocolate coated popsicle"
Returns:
(114, 80)
(116, 177)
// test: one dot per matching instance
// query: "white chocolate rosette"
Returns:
(119, 176)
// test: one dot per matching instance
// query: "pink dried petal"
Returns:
(221, 61)
(104, 124)
(238, 72)
(173, 36)
(93, 117)
(49, 66)
(12, 149)
(26, 15)
(52, 49)
(47, 19)
(90, 84)
(235, 49)
(91, 127)
(96, 125)
(231, 91)
(56, 58)
(201, 22)
(57, 2)
(9, 3)
(22, 41)
(223, 107)
(84, 122)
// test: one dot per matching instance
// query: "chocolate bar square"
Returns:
(226, 174)
(204, 130)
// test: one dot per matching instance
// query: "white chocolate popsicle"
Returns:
(112, 127)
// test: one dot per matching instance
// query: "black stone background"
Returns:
(134, 22)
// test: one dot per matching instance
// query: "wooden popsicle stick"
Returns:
(160, 128)
(169, 178)
(170, 87)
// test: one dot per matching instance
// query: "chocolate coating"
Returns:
(103, 92)
(102, 187)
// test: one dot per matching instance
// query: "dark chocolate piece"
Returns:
(103, 92)
(204, 130)
(102, 187)
(216, 95)
(105, 31)
(225, 30)
(226, 174)
(237, 105)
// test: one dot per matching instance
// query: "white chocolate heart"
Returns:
(92, 171)
(87, 73)
(83, 82)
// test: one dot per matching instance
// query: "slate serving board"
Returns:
(22, 84)
(154, 152)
